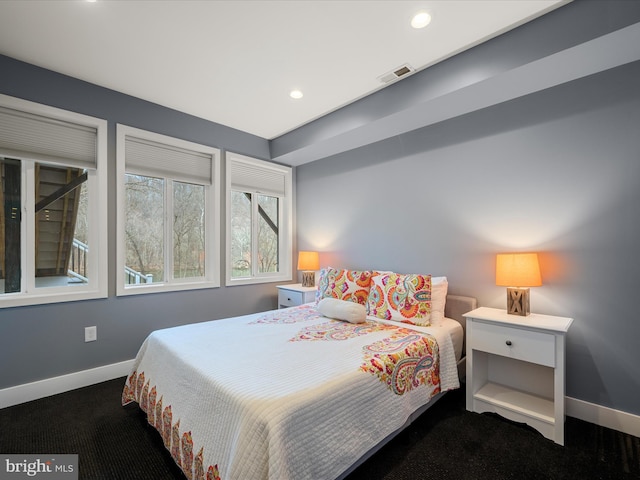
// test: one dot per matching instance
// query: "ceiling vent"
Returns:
(399, 72)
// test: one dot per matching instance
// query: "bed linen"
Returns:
(286, 394)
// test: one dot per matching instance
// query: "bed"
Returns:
(290, 393)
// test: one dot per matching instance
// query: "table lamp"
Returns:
(308, 262)
(518, 271)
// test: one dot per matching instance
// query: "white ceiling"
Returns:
(235, 62)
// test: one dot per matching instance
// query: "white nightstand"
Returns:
(295, 294)
(516, 368)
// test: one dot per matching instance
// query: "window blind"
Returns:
(146, 157)
(41, 138)
(262, 177)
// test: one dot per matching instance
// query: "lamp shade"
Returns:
(518, 270)
(308, 261)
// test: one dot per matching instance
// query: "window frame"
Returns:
(285, 222)
(211, 278)
(97, 182)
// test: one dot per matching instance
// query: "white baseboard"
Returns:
(589, 412)
(603, 416)
(52, 386)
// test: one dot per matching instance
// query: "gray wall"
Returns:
(556, 172)
(45, 341)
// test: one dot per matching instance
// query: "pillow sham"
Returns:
(342, 310)
(439, 289)
(401, 297)
(348, 285)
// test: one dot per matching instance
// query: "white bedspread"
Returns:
(277, 395)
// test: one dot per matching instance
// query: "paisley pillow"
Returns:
(349, 285)
(401, 297)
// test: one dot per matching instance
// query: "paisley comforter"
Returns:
(287, 394)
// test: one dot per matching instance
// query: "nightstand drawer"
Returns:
(289, 298)
(526, 345)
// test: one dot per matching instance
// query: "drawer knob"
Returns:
(508, 342)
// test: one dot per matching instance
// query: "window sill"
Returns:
(164, 287)
(256, 280)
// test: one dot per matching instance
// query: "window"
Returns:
(259, 218)
(53, 220)
(168, 222)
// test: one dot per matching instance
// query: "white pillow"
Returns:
(439, 287)
(342, 310)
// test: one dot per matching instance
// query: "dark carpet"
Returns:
(115, 442)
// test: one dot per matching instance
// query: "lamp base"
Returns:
(309, 279)
(518, 301)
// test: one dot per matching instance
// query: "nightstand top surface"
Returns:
(535, 320)
(297, 287)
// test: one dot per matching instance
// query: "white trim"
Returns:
(52, 386)
(589, 412)
(603, 416)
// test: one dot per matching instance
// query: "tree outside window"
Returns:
(169, 227)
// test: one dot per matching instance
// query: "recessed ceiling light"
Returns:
(295, 94)
(420, 20)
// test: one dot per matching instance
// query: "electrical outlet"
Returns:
(90, 334)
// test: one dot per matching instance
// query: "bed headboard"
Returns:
(458, 305)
